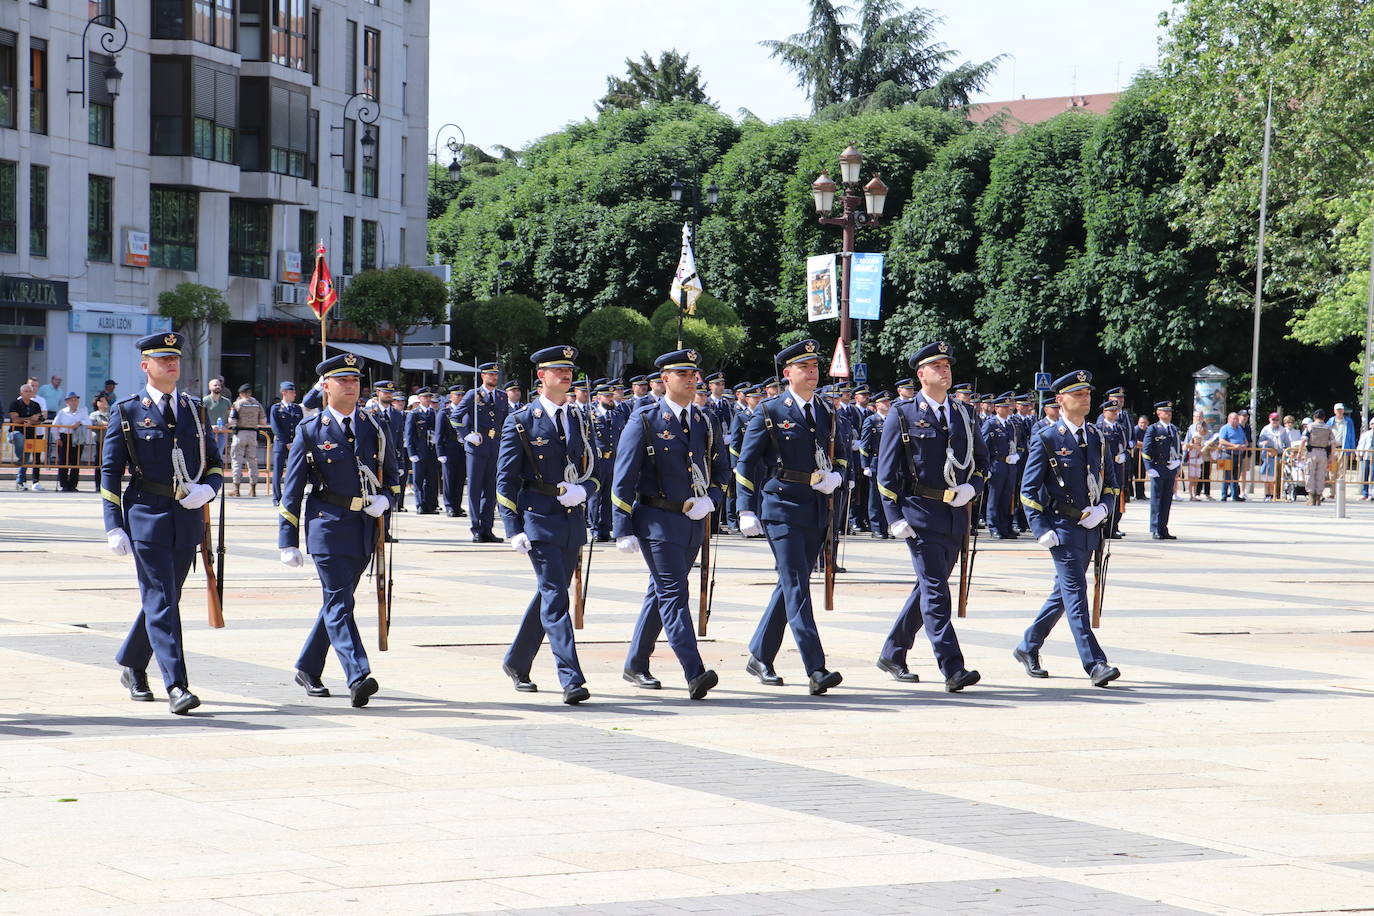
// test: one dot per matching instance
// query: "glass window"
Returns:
(9, 75)
(215, 113)
(348, 245)
(212, 22)
(98, 8)
(38, 85)
(250, 238)
(372, 63)
(173, 215)
(350, 57)
(370, 171)
(100, 107)
(315, 45)
(288, 34)
(369, 260)
(38, 210)
(350, 138)
(312, 155)
(169, 19)
(9, 207)
(99, 205)
(308, 237)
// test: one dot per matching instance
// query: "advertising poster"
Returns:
(822, 288)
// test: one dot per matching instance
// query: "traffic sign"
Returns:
(861, 373)
(1042, 381)
(839, 366)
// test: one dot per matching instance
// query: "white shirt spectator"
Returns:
(72, 418)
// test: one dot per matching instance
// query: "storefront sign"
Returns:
(25, 291)
(135, 248)
(86, 321)
(290, 270)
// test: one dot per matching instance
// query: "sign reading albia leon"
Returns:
(31, 293)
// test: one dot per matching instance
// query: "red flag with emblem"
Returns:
(323, 295)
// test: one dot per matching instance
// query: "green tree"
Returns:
(615, 323)
(194, 310)
(391, 304)
(713, 329)
(506, 327)
(669, 79)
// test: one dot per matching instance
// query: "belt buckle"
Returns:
(817, 476)
(356, 504)
(948, 496)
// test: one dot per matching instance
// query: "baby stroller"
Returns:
(1294, 477)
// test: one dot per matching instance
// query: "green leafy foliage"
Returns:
(507, 328)
(391, 304)
(669, 79)
(610, 323)
(714, 330)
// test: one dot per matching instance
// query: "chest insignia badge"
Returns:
(326, 446)
(147, 421)
(1064, 452)
(541, 441)
(786, 424)
(665, 435)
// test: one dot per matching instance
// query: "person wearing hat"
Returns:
(739, 424)
(670, 475)
(906, 390)
(482, 412)
(1051, 417)
(1114, 434)
(639, 387)
(67, 424)
(871, 436)
(1003, 438)
(607, 423)
(1273, 441)
(247, 419)
(514, 395)
(544, 471)
(284, 417)
(159, 435)
(1161, 451)
(342, 452)
(1117, 396)
(420, 434)
(1070, 483)
(392, 416)
(449, 449)
(771, 387)
(932, 463)
(787, 478)
(656, 388)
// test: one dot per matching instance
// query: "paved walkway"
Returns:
(1230, 770)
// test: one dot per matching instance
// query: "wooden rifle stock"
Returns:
(379, 567)
(829, 550)
(219, 550)
(704, 598)
(578, 596)
(212, 585)
(1101, 557)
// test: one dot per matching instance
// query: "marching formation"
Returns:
(660, 471)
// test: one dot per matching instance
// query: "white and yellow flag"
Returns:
(686, 278)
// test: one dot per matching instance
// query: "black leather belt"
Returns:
(1068, 511)
(548, 489)
(351, 503)
(936, 493)
(155, 487)
(787, 475)
(667, 505)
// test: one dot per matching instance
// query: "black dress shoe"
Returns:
(522, 682)
(1007, 536)
(961, 679)
(451, 513)
(1103, 674)
(898, 670)
(180, 700)
(1031, 661)
(1116, 536)
(362, 691)
(822, 680)
(840, 569)
(137, 682)
(576, 694)
(765, 673)
(604, 539)
(314, 687)
(697, 686)
(642, 679)
(492, 539)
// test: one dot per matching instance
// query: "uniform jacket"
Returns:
(606, 431)
(322, 457)
(393, 421)
(146, 516)
(1047, 503)
(247, 414)
(420, 432)
(666, 472)
(525, 510)
(1115, 436)
(484, 412)
(1161, 445)
(284, 418)
(1002, 439)
(928, 444)
(449, 432)
(871, 438)
(788, 444)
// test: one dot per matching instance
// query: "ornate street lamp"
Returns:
(111, 42)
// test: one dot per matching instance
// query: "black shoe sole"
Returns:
(697, 689)
(955, 688)
(579, 695)
(364, 692)
(896, 674)
(1104, 681)
(183, 707)
(766, 680)
(1026, 663)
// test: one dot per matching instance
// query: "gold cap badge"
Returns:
(170, 340)
(350, 360)
(944, 347)
(1082, 376)
(692, 355)
(567, 352)
(810, 346)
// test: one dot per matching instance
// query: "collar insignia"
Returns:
(327, 445)
(325, 419)
(788, 402)
(665, 435)
(924, 406)
(170, 340)
(667, 415)
(1063, 430)
(147, 402)
(350, 360)
(147, 421)
(538, 412)
(541, 441)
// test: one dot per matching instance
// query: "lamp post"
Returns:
(675, 191)
(367, 112)
(852, 219)
(111, 43)
(454, 147)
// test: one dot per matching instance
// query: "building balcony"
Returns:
(280, 189)
(192, 172)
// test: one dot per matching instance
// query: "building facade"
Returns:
(239, 139)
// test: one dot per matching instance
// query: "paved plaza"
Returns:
(1230, 770)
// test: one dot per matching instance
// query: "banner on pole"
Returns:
(323, 295)
(686, 279)
(822, 288)
(866, 286)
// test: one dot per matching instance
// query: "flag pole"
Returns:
(324, 354)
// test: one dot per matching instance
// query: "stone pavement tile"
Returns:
(913, 866)
(608, 886)
(1257, 887)
(419, 863)
(74, 898)
(410, 899)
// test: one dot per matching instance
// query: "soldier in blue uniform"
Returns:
(1127, 420)
(393, 420)
(1163, 455)
(786, 477)
(1070, 480)
(483, 410)
(343, 453)
(160, 436)
(1118, 449)
(544, 471)
(871, 436)
(1002, 436)
(1051, 417)
(738, 426)
(639, 387)
(420, 446)
(514, 390)
(670, 474)
(931, 465)
(607, 422)
(1024, 418)
(283, 418)
(906, 390)
(449, 433)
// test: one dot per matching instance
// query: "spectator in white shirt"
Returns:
(67, 424)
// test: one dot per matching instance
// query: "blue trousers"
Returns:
(279, 453)
(1018, 512)
(157, 629)
(455, 473)
(795, 549)
(547, 614)
(877, 518)
(335, 625)
(1070, 596)
(599, 500)
(667, 605)
(933, 557)
(426, 480)
(482, 490)
(1161, 501)
(1001, 491)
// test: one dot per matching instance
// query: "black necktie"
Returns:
(1082, 440)
(944, 420)
(686, 428)
(558, 421)
(810, 418)
(348, 429)
(168, 416)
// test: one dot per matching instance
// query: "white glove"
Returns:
(627, 544)
(119, 542)
(1121, 458)
(1013, 458)
(199, 495)
(414, 459)
(443, 459)
(1174, 465)
(377, 504)
(291, 556)
(1093, 517)
(521, 543)
(698, 507)
(1151, 472)
(828, 483)
(901, 529)
(749, 524)
(962, 495)
(571, 494)
(868, 472)
(851, 484)
(1049, 539)
(473, 438)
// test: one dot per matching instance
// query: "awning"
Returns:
(377, 354)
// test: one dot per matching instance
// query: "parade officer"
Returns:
(393, 420)
(483, 412)
(420, 446)
(1163, 456)
(1003, 438)
(931, 465)
(670, 473)
(284, 417)
(788, 449)
(544, 470)
(1115, 435)
(175, 468)
(607, 421)
(752, 396)
(1070, 482)
(343, 453)
(514, 392)
(906, 390)
(871, 436)
(449, 434)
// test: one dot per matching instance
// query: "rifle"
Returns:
(967, 555)
(212, 582)
(380, 570)
(1101, 557)
(704, 596)
(580, 583)
(829, 550)
(219, 551)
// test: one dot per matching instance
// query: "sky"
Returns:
(512, 71)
